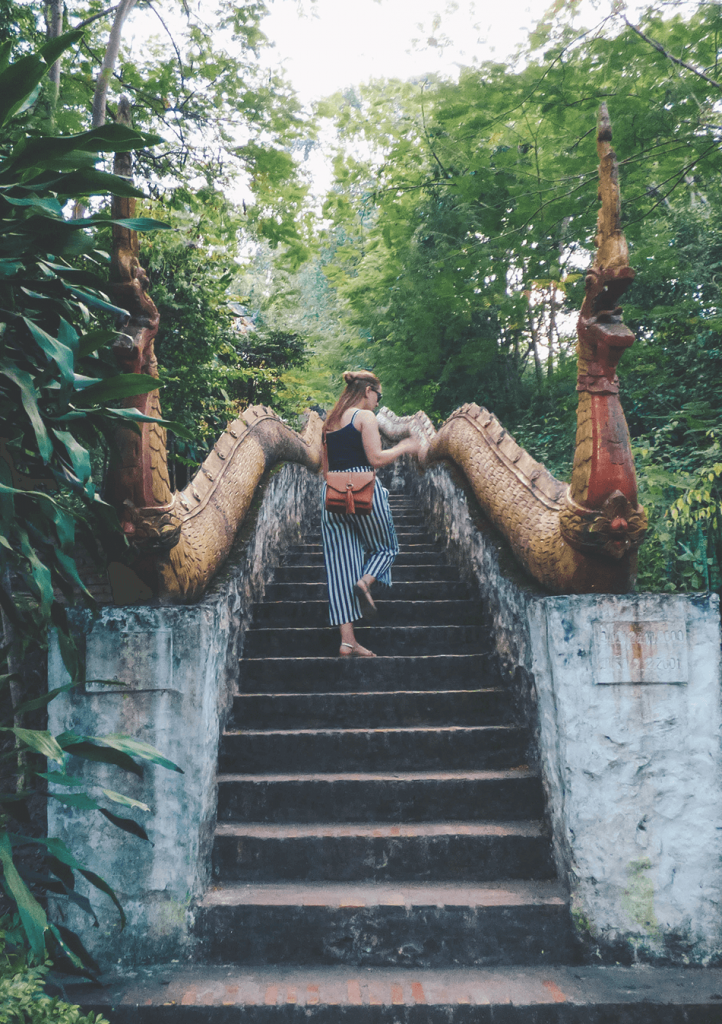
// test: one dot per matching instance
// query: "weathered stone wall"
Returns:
(180, 666)
(632, 770)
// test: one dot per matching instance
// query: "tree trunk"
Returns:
(17, 689)
(535, 349)
(54, 23)
(552, 329)
(100, 99)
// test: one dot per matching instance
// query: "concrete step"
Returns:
(391, 613)
(400, 591)
(317, 549)
(400, 573)
(269, 642)
(426, 556)
(376, 709)
(358, 750)
(311, 675)
(550, 994)
(408, 537)
(484, 795)
(377, 851)
(379, 924)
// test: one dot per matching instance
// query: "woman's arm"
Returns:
(371, 438)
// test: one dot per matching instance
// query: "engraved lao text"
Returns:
(640, 652)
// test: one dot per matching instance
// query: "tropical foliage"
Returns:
(57, 397)
(23, 999)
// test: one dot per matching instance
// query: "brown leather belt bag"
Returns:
(350, 493)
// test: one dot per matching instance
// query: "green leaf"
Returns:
(93, 182)
(55, 48)
(126, 801)
(136, 748)
(141, 223)
(59, 779)
(80, 746)
(80, 801)
(97, 302)
(123, 385)
(28, 396)
(94, 340)
(39, 740)
(127, 825)
(29, 101)
(41, 702)
(6, 49)
(79, 456)
(139, 417)
(54, 349)
(101, 884)
(9, 268)
(31, 913)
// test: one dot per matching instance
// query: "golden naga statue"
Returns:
(575, 538)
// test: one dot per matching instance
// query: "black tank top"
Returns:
(345, 448)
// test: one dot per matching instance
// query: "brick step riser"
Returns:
(369, 858)
(426, 591)
(315, 548)
(383, 640)
(291, 675)
(293, 614)
(370, 710)
(405, 558)
(353, 800)
(491, 1012)
(374, 751)
(400, 574)
(385, 936)
(488, 1013)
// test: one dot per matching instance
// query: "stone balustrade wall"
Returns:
(623, 696)
(180, 667)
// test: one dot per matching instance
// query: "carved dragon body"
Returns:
(576, 538)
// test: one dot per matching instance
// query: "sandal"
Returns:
(363, 593)
(356, 652)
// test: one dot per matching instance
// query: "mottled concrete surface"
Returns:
(180, 668)
(635, 773)
(630, 756)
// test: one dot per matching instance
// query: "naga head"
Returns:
(602, 335)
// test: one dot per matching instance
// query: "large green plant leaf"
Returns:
(123, 385)
(31, 913)
(29, 398)
(19, 80)
(136, 748)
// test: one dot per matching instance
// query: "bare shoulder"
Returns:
(364, 419)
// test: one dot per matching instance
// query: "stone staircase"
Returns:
(380, 852)
(378, 812)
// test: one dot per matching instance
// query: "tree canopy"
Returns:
(462, 219)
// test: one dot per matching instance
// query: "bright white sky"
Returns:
(337, 43)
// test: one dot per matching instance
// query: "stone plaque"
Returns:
(141, 660)
(640, 652)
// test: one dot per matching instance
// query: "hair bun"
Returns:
(349, 376)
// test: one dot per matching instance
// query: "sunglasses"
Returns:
(379, 393)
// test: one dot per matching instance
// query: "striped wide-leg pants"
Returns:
(354, 546)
